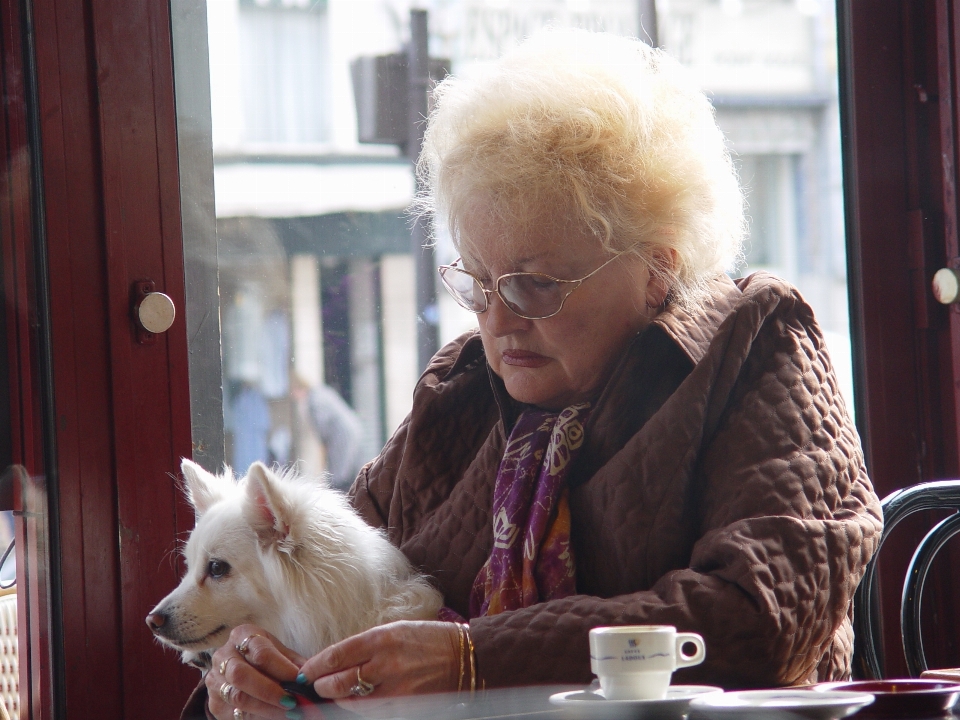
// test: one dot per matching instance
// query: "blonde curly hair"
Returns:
(599, 130)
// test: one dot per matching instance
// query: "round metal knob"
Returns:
(946, 286)
(156, 312)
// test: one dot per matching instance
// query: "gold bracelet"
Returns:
(473, 661)
(460, 633)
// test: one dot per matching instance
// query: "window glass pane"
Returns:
(316, 282)
(283, 72)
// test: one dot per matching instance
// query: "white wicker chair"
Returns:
(9, 664)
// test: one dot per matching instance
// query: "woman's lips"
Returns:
(523, 358)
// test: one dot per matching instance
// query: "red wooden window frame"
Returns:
(106, 136)
(899, 97)
(21, 318)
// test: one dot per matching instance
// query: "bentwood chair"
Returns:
(939, 495)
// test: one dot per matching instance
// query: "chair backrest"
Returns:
(9, 664)
(938, 495)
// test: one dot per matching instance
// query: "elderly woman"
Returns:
(630, 437)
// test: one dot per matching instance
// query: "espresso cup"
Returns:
(635, 662)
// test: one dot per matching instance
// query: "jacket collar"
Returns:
(693, 330)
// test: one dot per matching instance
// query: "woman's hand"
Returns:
(402, 658)
(245, 684)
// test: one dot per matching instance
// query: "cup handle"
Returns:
(697, 657)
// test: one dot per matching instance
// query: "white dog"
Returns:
(289, 555)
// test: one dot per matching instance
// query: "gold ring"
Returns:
(223, 667)
(225, 691)
(362, 688)
(244, 647)
(237, 714)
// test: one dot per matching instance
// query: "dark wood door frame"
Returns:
(106, 141)
(899, 123)
(25, 368)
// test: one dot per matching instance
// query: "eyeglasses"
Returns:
(531, 295)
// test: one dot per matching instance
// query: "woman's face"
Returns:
(567, 358)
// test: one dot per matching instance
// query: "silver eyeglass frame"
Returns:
(496, 289)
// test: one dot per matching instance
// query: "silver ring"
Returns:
(237, 714)
(362, 688)
(244, 647)
(225, 691)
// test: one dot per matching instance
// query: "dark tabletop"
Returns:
(532, 703)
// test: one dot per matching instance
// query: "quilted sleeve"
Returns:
(787, 521)
(434, 445)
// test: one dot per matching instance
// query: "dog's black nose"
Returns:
(155, 621)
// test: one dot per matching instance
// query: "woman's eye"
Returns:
(218, 568)
(543, 283)
(534, 283)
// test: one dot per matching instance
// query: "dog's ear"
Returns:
(264, 508)
(202, 490)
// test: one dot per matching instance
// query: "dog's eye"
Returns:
(217, 568)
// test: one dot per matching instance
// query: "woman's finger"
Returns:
(245, 675)
(345, 654)
(400, 658)
(264, 652)
(224, 698)
(253, 684)
(345, 684)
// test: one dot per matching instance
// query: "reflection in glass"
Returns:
(316, 274)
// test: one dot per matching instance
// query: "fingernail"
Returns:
(288, 701)
(302, 679)
(294, 715)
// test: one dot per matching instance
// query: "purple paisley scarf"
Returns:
(532, 560)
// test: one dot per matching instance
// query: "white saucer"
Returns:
(590, 704)
(780, 704)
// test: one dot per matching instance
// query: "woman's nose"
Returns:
(499, 320)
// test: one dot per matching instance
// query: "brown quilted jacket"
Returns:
(721, 489)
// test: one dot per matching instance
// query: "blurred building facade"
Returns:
(316, 274)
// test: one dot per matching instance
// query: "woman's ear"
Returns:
(662, 272)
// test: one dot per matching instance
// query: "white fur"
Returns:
(303, 566)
